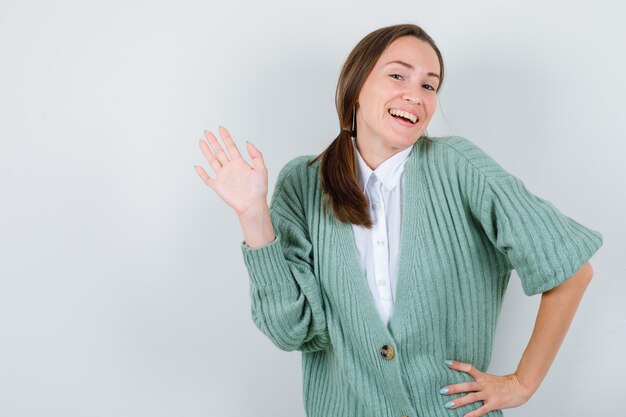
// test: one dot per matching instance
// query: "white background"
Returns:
(123, 291)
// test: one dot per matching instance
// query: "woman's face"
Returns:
(409, 84)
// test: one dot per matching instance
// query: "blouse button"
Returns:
(380, 242)
(375, 205)
(387, 352)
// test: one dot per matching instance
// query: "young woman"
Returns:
(385, 259)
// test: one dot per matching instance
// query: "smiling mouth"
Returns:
(400, 114)
(403, 117)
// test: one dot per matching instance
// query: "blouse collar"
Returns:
(388, 172)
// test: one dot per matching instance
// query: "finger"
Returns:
(204, 176)
(230, 144)
(256, 156)
(216, 148)
(479, 411)
(462, 387)
(208, 153)
(465, 367)
(464, 400)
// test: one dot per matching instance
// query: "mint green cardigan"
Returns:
(466, 223)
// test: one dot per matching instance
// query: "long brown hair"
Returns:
(338, 170)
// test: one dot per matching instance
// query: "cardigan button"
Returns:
(387, 352)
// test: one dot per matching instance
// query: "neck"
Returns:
(375, 153)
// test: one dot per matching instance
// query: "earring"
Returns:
(353, 122)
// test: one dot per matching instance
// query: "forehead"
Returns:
(413, 51)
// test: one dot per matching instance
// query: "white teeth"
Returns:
(404, 114)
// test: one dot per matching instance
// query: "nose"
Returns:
(412, 94)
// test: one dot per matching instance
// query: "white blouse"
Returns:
(378, 247)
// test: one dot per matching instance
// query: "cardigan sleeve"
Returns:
(285, 294)
(543, 245)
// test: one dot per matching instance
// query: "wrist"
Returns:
(256, 225)
(255, 210)
(527, 386)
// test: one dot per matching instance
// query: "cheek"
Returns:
(431, 105)
(374, 106)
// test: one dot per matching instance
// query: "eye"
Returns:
(392, 75)
(430, 87)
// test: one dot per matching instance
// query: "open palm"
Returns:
(240, 185)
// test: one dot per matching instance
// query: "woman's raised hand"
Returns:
(240, 185)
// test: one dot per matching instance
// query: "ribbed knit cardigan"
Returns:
(466, 223)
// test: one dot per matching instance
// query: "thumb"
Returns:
(257, 157)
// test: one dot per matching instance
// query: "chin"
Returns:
(401, 143)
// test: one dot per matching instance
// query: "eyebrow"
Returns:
(409, 66)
